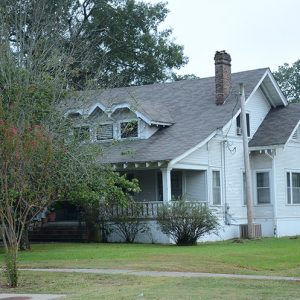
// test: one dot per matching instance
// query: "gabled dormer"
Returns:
(118, 121)
(259, 102)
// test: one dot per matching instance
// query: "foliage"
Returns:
(95, 192)
(36, 162)
(186, 222)
(177, 77)
(288, 78)
(112, 42)
(129, 223)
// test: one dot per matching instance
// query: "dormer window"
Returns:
(239, 124)
(82, 134)
(104, 132)
(129, 129)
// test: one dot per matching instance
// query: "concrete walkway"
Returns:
(165, 274)
(30, 297)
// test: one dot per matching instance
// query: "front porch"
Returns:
(163, 185)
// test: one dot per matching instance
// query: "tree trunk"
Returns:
(24, 244)
(10, 266)
(93, 232)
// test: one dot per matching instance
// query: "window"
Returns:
(263, 187)
(82, 133)
(176, 184)
(293, 187)
(129, 129)
(239, 125)
(216, 187)
(159, 187)
(104, 132)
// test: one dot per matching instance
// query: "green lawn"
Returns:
(87, 286)
(267, 256)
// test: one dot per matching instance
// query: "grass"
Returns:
(264, 257)
(89, 286)
(268, 256)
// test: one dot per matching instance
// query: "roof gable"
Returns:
(278, 126)
(191, 104)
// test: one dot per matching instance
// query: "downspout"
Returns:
(223, 163)
(274, 194)
(274, 191)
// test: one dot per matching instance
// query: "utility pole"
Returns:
(247, 164)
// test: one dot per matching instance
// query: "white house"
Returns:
(184, 139)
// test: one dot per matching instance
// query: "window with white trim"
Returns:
(263, 188)
(129, 129)
(293, 187)
(104, 132)
(216, 187)
(239, 124)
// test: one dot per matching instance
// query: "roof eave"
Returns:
(266, 147)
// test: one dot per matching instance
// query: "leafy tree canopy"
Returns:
(288, 78)
(39, 160)
(113, 42)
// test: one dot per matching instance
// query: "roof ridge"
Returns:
(167, 83)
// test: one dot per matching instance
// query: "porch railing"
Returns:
(143, 209)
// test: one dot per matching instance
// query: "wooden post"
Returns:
(166, 181)
(247, 164)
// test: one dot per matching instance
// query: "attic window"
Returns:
(104, 132)
(129, 129)
(82, 133)
(239, 125)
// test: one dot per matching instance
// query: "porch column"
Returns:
(166, 183)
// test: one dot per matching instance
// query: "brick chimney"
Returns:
(222, 76)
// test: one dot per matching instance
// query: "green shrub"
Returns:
(130, 223)
(186, 222)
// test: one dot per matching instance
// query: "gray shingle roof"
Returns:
(277, 126)
(136, 97)
(191, 106)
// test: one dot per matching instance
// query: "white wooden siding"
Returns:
(123, 114)
(258, 107)
(286, 160)
(233, 181)
(99, 117)
(198, 157)
(145, 130)
(195, 185)
(260, 161)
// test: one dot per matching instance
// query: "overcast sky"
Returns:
(256, 33)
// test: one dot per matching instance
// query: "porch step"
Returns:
(52, 232)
